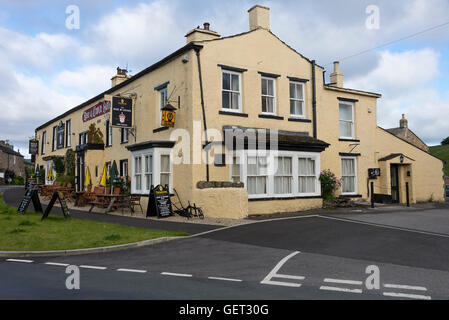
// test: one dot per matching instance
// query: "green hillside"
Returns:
(442, 152)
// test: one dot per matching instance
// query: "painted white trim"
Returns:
(356, 187)
(304, 111)
(353, 119)
(240, 108)
(274, 96)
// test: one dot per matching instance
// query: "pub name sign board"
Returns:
(122, 112)
(97, 110)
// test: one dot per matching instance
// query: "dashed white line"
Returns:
(405, 287)
(19, 260)
(340, 289)
(57, 264)
(176, 274)
(404, 295)
(132, 270)
(341, 281)
(93, 267)
(224, 279)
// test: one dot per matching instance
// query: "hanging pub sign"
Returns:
(60, 136)
(159, 203)
(97, 110)
(33, 147)
(122, 112)
(168, 116)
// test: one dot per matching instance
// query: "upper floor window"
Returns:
(55, 138)
(108, 133)
(44, 142)
(68, 133)
(83, 138)
(231, 91)
(297, 101)
(124, 135)
(268, 95)
(346, 110)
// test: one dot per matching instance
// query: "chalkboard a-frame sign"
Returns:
(57, 196)
(159, 203)
(30, 195)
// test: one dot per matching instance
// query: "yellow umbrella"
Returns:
(88, 179)
(104, 177)
(50, 174)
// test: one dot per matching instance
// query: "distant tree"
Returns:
(445, 141)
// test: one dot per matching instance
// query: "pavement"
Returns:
(328, 256)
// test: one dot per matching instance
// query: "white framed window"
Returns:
(268, 95)
(346, 111)
(257, 175)
(307, 176)
(278, 174)
(44, 142)
(55, 138)
(231, 91)
(348, 175)
(162, 102)
(124, 135)
(138, 174)
(297, 99)
(68, 133)
(154, 167)
(108, 133)
(148, 172)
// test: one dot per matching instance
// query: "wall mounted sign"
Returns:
(33, 147)
(57, 196)
(122, 112)
(31, 194)
(373, 173)
(159, 203)
(96, 111)
(168, 116)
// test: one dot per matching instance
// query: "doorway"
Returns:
(81, 171)
(394, 172)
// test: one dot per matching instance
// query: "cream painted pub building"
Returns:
(239, 86)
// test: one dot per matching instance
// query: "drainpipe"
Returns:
(314, 99)
(197, 50)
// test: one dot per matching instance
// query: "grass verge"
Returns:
(28, 233)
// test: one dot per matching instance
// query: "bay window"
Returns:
(138, 173)
(306, 175)
(257, 175)
(148, 172)
(165, 170)
(283, 175)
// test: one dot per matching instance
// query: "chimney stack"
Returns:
(259, 17)
(336, 76)
(121, 76)
(199, 34)
(403, 123)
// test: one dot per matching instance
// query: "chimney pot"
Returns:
(206, 26)
(403, 123)
(336, 76)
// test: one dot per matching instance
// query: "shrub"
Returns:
(329, 184)
(69, 163)
(59, 165)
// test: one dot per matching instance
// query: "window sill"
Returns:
(161, 129)
(269, 116)
(124, 142)
(351, 196)
(348, 139)
(299, 120)
(233, 113)
(285, 198)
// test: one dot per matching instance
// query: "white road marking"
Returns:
(274, 274)
(57, 264)
(132, 270)
(340, 289)
(19, 260)
(93, 267)
(224, 279)
(359, 283)
(404, 295)
(405, 287)
(176, 274)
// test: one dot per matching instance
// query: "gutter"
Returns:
(197, 50)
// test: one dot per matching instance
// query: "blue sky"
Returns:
(49, 69)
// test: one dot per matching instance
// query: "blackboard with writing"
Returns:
(30, 195)
(159, 203)
(57, 196)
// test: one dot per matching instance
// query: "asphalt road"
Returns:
(312, 257)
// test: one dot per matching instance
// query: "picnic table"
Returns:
(117, 200)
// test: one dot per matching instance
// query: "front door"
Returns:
(394, 172)
(80, 171)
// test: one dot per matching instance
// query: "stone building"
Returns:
(10, 160)
(244, 85)
(404, 132)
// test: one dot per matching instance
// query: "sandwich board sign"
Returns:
(30, 195)
(57, 195)
(159, 203)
